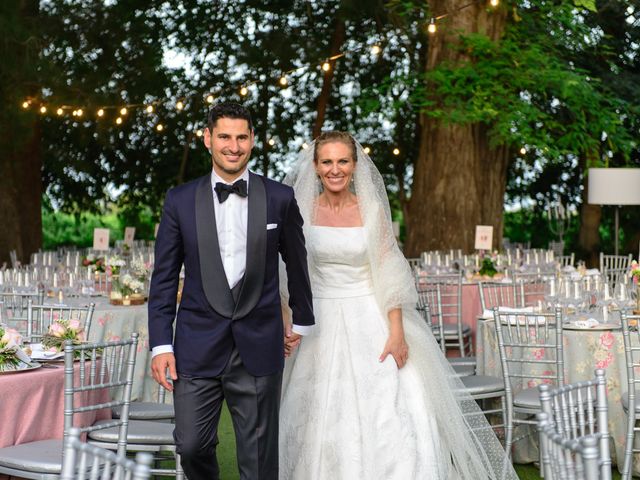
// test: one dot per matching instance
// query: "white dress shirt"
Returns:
(231, 225)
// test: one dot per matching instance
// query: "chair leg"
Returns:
(179, 472)
(628, 448)
(508, 432)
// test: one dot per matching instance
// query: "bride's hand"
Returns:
(398, 348)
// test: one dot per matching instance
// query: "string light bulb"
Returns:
(209, 98)
(119, 121)
(244, 91)
(159, 127)
(59, 111)
(179, 105)
(396, 151)
(271, 142)
(494, 3)
(375, 50)
(100, 112)
(367, 150)
(123, 111)
(326, 66)
(283, 81)
(198, 133)
(79, 112)
(432, 26)
(149, 109)
(43, 109)
(523, 151)
(25, 104)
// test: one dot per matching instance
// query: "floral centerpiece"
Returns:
(634, 274)
(487, 268)
(114, 264)
(10, 341)
(95, 263)
(60, 331)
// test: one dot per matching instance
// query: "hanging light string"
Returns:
(180, 103)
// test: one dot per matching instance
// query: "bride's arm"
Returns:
(396, 345)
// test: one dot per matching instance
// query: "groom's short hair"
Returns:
(228, 110)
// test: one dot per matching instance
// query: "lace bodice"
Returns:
(340, 262)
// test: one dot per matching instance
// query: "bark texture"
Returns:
(590, 216)
(459, 180)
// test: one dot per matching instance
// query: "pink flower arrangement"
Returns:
(634, 272)
(10, 341)
(61, 331)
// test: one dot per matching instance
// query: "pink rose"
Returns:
(538, 354)
(11, 337)
(607, 340)
(74, 324)
(606, 362)
(57, 330)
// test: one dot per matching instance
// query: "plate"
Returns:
(31, 366)
(600, 326)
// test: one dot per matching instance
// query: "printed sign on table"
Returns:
(101, 239)
(129, 233)
(484, 237)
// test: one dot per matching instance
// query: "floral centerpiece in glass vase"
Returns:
(11, 355)
(634, 274)
(60, 331)
(114, 266)
(94, 262)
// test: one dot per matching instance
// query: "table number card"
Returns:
(129, 233)
(484, 237)
(101, 239)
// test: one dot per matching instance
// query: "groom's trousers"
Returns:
(254, 404)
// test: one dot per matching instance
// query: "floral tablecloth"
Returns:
(584, 351)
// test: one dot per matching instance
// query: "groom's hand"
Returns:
(159, 366)
(291, 341)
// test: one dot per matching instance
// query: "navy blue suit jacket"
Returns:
(209, 322)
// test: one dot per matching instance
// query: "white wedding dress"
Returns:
(344, 414)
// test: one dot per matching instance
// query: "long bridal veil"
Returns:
(473, 447)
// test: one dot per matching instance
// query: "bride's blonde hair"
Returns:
(332, 137)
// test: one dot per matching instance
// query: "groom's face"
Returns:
(230, 143)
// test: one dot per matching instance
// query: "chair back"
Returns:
(414, 263)
(15, 307)
(614, 262)
(631, 328)
(40, 318)
(580, 409)
(566, 260)
(567, 459)
(530, 346)
(97, 377)
(531, 288)
(429, 308)
(83, 460)
(496, 294)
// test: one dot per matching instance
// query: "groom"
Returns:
(227, 228)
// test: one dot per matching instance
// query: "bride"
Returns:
(368, 394)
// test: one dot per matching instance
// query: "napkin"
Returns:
(39, 353)
(588, 323)
(489, 313)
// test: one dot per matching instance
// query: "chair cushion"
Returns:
(42, 456)
(464, 370)
(140, 432)
(480, 384)
(625, 401)
(147, 411)
(462, 360)
(528, 398)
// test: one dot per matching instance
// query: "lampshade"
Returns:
(614, 186)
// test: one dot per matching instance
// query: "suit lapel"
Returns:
(256, 247)
(214, 281)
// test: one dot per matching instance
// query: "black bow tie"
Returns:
(223, 190)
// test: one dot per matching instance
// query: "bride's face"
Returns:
(335, 165)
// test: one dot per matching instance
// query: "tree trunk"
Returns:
(459, 180)
(337, 39)
(590, 216)
(20, 144)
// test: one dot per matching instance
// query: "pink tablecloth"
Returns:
(32, 406)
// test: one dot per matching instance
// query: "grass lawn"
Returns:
(227, 454)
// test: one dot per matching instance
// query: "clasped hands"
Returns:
(291, 340)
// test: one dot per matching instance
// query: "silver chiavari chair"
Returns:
(630, 398)
(83, 460)
(40, 318)
(615, 262)
(496, 294)
(89, 370)
(428, 308)
(15, 307)
(530, 287)
(580, 409)
(566, 260)
(567, 458)
(531, 350)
